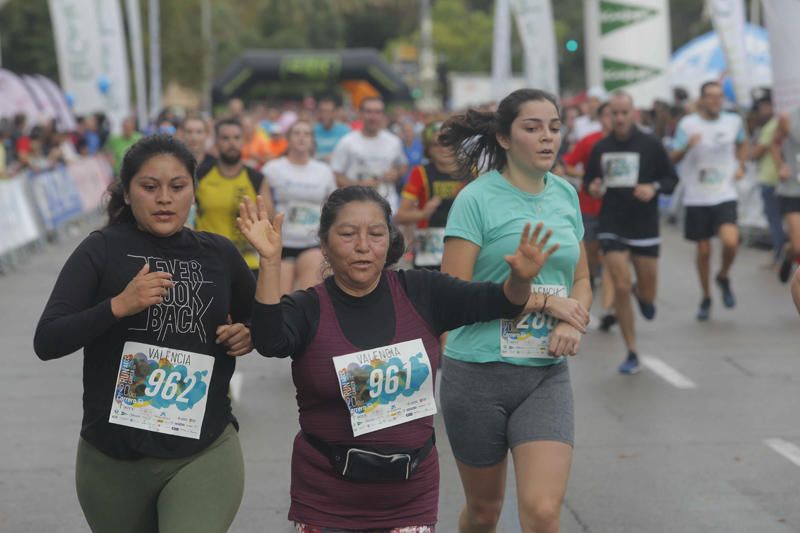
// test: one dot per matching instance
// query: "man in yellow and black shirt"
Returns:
(221, 190)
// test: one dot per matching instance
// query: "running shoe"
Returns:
(606, 322)
(728, 298)
(630, 365)
(704, 313)
(648, 310)
(784, 273)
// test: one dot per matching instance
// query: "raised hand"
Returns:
(264, 236)
(530, 257)
(145, 289)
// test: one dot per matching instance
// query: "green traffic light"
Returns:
(572, 45)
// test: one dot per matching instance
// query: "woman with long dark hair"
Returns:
(505, 383)
(159, 311)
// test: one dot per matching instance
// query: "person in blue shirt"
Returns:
(412, 147)
(327, 132)
(505, 384)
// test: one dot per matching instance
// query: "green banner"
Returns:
(311, 67)
(617, 74)
(616, 15)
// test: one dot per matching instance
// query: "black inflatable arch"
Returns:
(332, 66)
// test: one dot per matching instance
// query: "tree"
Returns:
(27, 41)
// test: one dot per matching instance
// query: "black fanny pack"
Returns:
(364, 464)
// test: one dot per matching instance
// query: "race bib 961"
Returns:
(386, 386)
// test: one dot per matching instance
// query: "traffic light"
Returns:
(572, 45)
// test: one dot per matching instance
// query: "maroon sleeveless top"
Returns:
(320, 496)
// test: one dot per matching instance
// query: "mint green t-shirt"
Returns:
(491, 213)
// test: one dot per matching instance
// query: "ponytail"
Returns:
(472, 137)
(118, 211)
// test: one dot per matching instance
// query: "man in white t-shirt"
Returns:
(712, 149)
(589, 122)
(372, 156)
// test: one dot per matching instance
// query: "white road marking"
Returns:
(236, 386)
(667, 373)
(785, 448)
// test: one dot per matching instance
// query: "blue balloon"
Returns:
(728, 90)
(103, 83)
(70, 98)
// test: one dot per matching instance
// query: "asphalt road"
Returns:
(705, 439)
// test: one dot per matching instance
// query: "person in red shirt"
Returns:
(575, 162)
(427, 197)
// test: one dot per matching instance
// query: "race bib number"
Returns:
(620, 169)
(301, 220)
(713, 178)
(162, 390)
(386, 386)
(530, 335)
(429, 246)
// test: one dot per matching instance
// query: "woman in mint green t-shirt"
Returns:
(505, 384)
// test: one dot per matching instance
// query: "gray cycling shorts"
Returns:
(489, 408)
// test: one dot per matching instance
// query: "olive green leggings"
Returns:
(196, 494)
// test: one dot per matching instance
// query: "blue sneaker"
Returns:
(704, 312)
(648, 310)
(630, 365)
(728, 298)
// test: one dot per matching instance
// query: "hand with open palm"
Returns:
(530, 256)
(265, 237)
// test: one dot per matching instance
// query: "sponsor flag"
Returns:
(501, 50)
(727, 16)
(784, 42)
(537, 31)
(628, 47)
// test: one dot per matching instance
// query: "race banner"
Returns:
(15, 97)
(137, 53)
(56, 197)
(91, 176)
(784, 42)
(501, 50)
(537, 31)
(628, 47)
(92, 61)
(17, 220)
(727, 16)
(40, 98)
(65, 120)
(113, 62)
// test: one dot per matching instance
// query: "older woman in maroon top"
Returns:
(365, 350)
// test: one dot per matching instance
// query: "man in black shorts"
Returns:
(711, 146)
(628, 169)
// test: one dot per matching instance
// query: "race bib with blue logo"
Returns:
(386, 386)
(620, 169)
(529, 336)
(162, 390)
